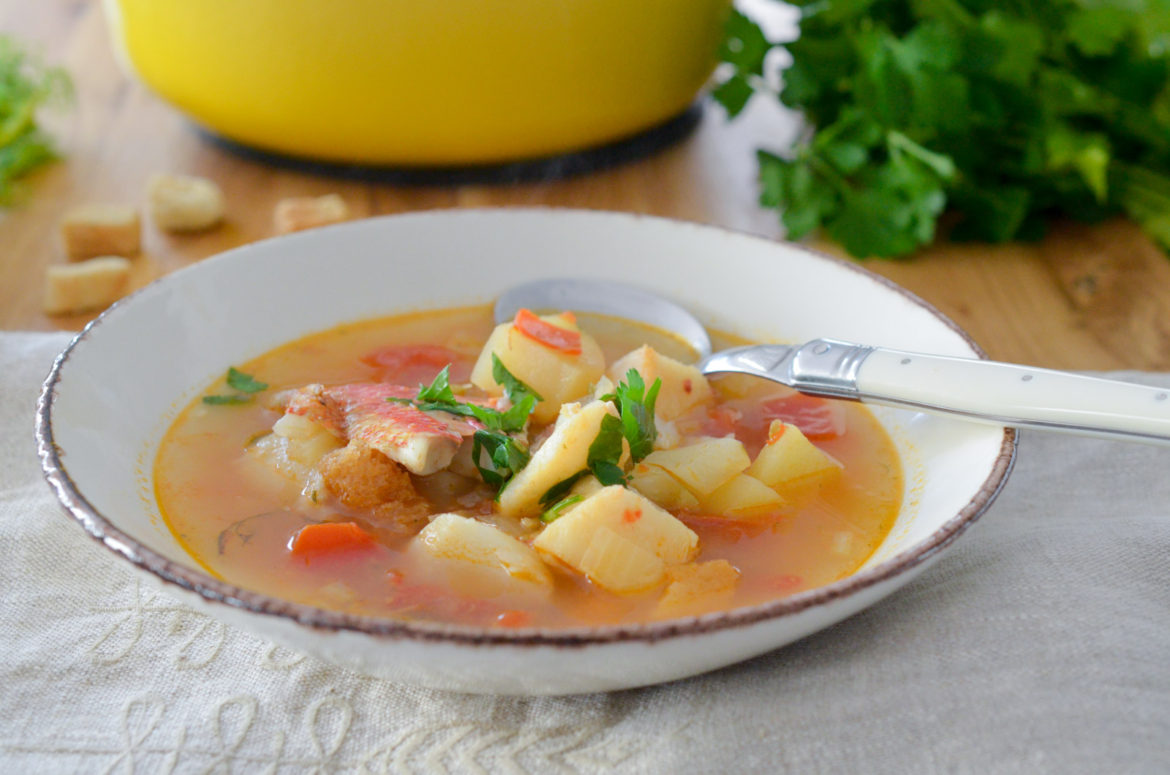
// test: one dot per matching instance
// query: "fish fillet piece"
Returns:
(423, 442)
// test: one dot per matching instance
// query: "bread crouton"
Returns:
(101, 230)
(363, 478)
(306, 212)
(180, 203)
(88, 285)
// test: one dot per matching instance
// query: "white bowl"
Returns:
(114, 391)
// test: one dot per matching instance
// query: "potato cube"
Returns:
(789, 459)
(557, 376)
(563, 454)
(87, 285)
(307, 212)
(308, 441)
(683, 386)
(614, 520)
(101, 230)
(743, 497)
(479, 553)
(695, 588)
(703, 466)
(619, 564)
(181, 203)
(662, 488)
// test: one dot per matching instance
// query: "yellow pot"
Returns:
(422, 82)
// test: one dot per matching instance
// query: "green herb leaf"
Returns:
(498, 456)
(26, 85)
(559, 508)
(605, 453)
(1004, 113)
(559, 489)
(514, 390)
(227, 400)
(635, 405)
(245, 383)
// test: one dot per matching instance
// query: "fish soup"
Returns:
(552, 471)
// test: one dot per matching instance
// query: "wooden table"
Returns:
(1085, 298)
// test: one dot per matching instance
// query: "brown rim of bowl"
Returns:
(214, 590)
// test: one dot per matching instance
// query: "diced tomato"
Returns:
(726, 529)
(329, 537)
(555, 337)
(817, 418)
(412, 364)
(720, 421)
(514, 619)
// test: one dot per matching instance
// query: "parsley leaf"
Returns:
(1003, 114)
(227, 400)
(635, 405)
(498, 457)
(605, 453)
(245, 383)
(25, 86)
(558, 509)
(514, 390)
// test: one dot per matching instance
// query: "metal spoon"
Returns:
(978, 390)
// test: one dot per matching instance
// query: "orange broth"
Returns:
(237, 517)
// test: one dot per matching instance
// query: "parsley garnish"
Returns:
(245, 383)
(496, 454)
(635, 425)
(237, 380)
(25, 85)
(559, 508)
(635, 405)
(1002, 113)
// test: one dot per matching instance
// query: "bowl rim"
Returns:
(213, 590)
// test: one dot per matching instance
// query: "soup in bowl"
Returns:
(338, 448)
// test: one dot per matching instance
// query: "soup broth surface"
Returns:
(238, 515)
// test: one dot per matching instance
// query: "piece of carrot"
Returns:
(555, 337)
(327, 537)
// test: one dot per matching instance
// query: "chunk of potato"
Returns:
(683, 386)
(743, 497)
(697, 587)
(640, 539)
(788, 459)
(481, 553)
(662, 488)
(557, 376)
(308, 441)
(563, 454)
(704, 466)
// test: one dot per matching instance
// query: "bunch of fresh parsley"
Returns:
(25, 85)
(1003, 114)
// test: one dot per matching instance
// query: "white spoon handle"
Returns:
(987, 391)
(1020, 396)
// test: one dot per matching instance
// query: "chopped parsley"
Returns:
(559, 508)
(245, 385)
(496, 453)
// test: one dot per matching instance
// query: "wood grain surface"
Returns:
(1087, 297)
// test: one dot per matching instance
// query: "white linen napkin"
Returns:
(1040, 643)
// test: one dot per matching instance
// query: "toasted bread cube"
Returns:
(789, 459)
(662, 488)
(703, 466)
(697, 587)
(307, 212)
(563, 454)
(743, 497)
(641, 539)
(88, 285)
(180, 203)
(683, 386)
(558, 377)
(95, 230)
(482, 553)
